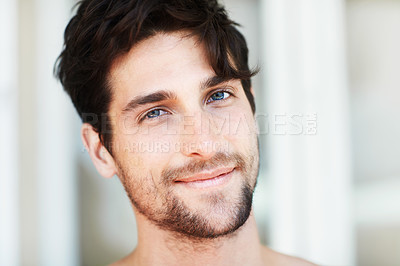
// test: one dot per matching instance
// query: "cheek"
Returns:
(241, 125)
(241, 130)
(146, 153)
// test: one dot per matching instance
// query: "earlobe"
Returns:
(101, 158)
(252, 92)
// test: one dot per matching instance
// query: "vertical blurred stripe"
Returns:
(57, 189)
(311, 175)
(9, 232)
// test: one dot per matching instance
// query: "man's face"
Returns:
(185, 146)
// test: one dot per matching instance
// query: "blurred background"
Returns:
(328, 98)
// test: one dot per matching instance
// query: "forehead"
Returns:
(160, 62)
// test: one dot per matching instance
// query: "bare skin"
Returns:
(158, 247)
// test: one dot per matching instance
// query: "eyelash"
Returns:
(230, 94)
(218, 91)
(159, 108)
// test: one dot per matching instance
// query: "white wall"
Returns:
(47, 188)
(58, 231)
(305, 68)
(374, 60)
(9, 217)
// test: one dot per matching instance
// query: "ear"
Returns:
(101, 158)
(252, 92)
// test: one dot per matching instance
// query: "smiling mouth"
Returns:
(207, 178)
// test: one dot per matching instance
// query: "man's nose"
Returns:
(198, 136)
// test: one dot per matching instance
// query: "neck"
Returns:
(160, 247)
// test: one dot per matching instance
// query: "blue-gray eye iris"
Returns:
(218, 96)
(153, 113)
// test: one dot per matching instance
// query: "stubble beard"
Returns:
(175, 216)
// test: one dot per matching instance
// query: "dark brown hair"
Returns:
(103, 30)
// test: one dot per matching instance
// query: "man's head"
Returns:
(171, 79)
(104, 30)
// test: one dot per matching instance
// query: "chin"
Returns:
(222, 216)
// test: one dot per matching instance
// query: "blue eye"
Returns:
(218, 96)
(154, 113)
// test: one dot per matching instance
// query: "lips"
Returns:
(206, 175)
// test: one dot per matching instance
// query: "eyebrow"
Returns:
(213, 81)
(163, 95)
(155, 97)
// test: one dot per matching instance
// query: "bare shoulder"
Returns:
(272, 257)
